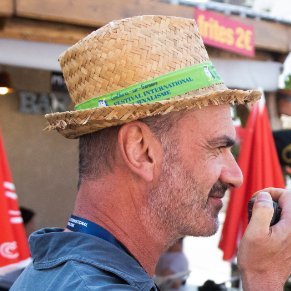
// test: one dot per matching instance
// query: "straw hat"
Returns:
(128, 59)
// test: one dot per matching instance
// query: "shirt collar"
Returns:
(51, 247)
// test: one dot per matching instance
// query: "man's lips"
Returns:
(216, 200)
(217, 195)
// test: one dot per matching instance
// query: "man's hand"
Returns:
(264, 256)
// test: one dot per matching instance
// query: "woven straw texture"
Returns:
(127, 52)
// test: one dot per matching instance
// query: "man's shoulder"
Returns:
(96, 279)
(72, 275)
(78, 261)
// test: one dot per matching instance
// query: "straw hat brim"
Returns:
(73, 124)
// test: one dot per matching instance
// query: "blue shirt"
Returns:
(79, 261)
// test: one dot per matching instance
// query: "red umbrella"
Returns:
(260, 166)
(14, 251)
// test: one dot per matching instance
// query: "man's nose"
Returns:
(231, 173)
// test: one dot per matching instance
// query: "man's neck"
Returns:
(123, 221)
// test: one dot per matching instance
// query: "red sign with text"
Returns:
(220, 31)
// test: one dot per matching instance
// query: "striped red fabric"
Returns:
(14, 251)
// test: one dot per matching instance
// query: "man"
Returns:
(155, 135)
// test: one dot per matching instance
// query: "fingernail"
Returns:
(263, 196)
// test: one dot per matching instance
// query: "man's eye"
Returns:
(218, 150)
(222, 147)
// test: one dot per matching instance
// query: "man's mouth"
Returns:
(216, 201)
(217, 195)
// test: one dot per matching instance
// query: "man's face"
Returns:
(197, 169)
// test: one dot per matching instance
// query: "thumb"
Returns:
(262, 213)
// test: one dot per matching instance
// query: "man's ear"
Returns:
(140, 149)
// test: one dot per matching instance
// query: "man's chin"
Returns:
(210, 232)
(207, 229)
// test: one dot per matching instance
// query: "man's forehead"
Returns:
(217, 109)
(210, 121)
(210, 113)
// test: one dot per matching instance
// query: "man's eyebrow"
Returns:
(224, 141)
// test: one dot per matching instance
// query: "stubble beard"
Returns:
(177, 204)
